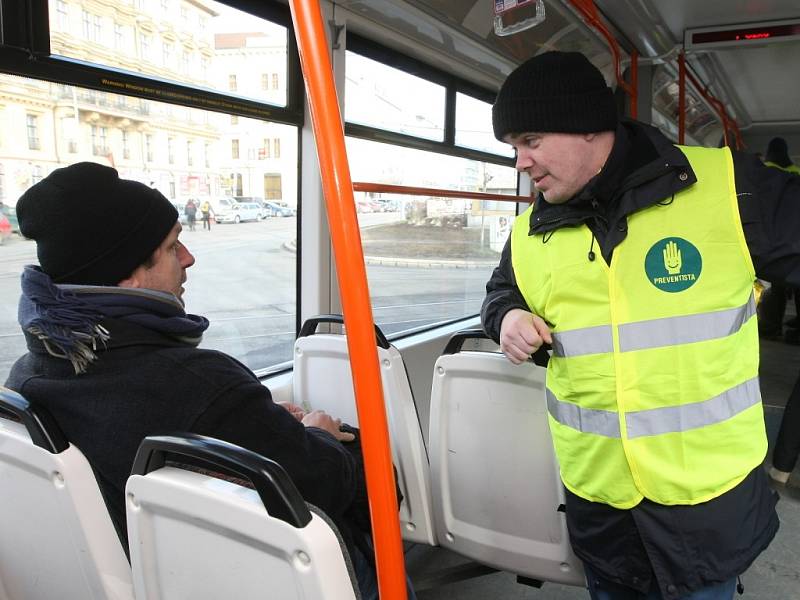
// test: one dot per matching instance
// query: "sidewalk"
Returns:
(418, 263)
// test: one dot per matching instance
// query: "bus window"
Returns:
(199, 44)
(428, 259)
(244, 277)
(377, 95)
(474, 126)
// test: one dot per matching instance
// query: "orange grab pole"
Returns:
(588, 9)
(338, 190)
(362, 186)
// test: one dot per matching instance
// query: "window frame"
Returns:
(25, 52)
(32, 131)
(452, 84)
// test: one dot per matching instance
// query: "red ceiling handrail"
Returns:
(362, 186)
(589, 11)
(727, 122)
(337, 186)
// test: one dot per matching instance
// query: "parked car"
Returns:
(265, 211)
(365, 206)
(228, 210)
(5, 228)
(10, 213)
(277, 210)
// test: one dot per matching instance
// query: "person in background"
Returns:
(778, 156)
(787, 445)
(772, 307)
(190, 210)
(636, 262)
(205, 211)
(113, 355)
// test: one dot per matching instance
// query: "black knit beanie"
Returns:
(90, 226)
(559, 92)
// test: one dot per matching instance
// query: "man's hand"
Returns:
(296, 411)
(322, 420)
(521, 334)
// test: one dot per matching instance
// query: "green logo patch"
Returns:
(673, 264)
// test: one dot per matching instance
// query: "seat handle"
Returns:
(310, 328)
(274, 486)
(456, 342)
(40, 424)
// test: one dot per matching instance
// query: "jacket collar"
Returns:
(123, 334)
(640, 155)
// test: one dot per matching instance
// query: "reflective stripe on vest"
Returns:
(654, 333)
(652, 389)
(669, 419)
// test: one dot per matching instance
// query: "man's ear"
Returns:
(134, 280)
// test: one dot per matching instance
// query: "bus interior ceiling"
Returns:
(752, 77)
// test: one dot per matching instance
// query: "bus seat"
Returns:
(56, 536)
(193, 535)
(495, 485)
(322, 380)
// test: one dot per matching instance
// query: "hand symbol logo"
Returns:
(672, 258)
(673, 264)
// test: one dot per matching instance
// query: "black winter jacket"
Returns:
(684, 547)
(145, 383)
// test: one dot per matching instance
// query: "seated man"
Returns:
(114, 357)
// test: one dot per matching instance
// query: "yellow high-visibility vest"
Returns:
(652, 389)
(792, 168)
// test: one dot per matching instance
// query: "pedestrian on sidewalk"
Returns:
(205, 211)
(190, 210)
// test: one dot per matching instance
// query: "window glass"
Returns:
(212, 40)
(428, 259)
(380, 96)
(244, 278)
(474, 126)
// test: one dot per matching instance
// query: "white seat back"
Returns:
(494, 479)
(56, 537)
(200, 537)
(322, 380)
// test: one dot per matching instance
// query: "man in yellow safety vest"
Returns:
(636, 263)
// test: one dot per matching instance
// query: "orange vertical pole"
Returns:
(338, 190)
(681, 98)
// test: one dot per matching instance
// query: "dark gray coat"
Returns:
(146, 383)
